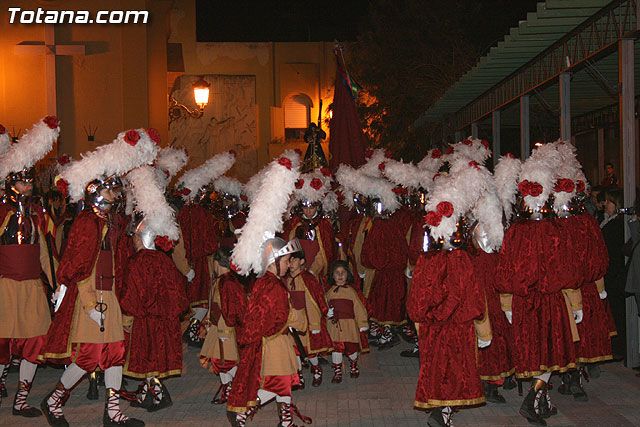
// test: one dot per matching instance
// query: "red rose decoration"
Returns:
(382, 166)
(523, 188)
(2, 130)
(445, 209)
(63, 186)
(285, 162)
(433, 219)
(535, 189)
(400, 191)
(580, 187)
(368, 154)
(51, 121)
(154, 135)
(316, 184)
(449, 150)
(299, 183)
(244, 198)
(474, 164)
(163, 243)
(565, 185)
(132, 137)
(298, 151)
(325, 171)
(387, 154)
(467, 142)
(185, 192)
(63, 160)
(509, 155)
(233, 153)
(485, 143)
(436, 153)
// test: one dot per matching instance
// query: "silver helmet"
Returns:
(275, 248)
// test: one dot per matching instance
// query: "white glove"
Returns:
(190, 275)
(95, 316)
(577, 315)
(409, 273)
(603, 294)
(54, 297)
(509, 315)
(483, 343)
(361, 275)
(364, 329)
(315, 332)
(330, 313)
(223, 339)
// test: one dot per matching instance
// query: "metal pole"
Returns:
(565, 106)
(495, 129)
(525, 133)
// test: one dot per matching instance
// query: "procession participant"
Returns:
(542, 343)
(25, 242)
(315, 233)
(446, 295)
(198, 236)
(307, 297)
(227, 306)
(153, 295)
(348, 320)
(268, 366)
(591, 254)
(87, 331)
(229, 214)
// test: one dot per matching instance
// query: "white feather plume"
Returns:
(265, 214)
(488, 212)
(5, 141)
(225, 184)
(253, 185)
(330, 202)
(308, 192)
(148, 196)
(169, 162)
(405, 174)
(505, 178)
(204, 174)
(116, 158)
(570, 168)
(372, 165)
(472, 149)
(429, 167)
(33, 146)
(359, 182)
(540, 168)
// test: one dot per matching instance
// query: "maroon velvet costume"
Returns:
(76, 265)
(267, 315)
(535, 266)
(321, 341)
(348, 239)
(444, 300)
(325, 236)
(494, 361)
(225, 229)
(591, 253)
(386, 251)
(200, 241)
(154, 293)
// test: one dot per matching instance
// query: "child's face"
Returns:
(295, 264)
(284, 264)
(340, 276)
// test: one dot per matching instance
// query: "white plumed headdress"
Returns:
(194, 179)
(505, 177)
(537, 178)
(5, 140)
(33, 146)
(168, 163)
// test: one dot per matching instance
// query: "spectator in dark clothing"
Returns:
(614, 281)
(593, 205)
(610, 179)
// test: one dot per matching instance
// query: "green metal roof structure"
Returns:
(560, 36)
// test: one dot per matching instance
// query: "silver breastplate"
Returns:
(20, 230)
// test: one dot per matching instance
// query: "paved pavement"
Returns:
(382, 396)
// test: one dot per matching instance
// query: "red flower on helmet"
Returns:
(433, 219)
(485, 143)
(445, 208)
(185, 192)
(467, 142)
(580, 187)
(474, 164)
(369, 153)
(299, 183)
(244, 198)
(449, 150)
(63, 186)
(387, 154)
(233, 153)
(285, 162)
(154, 135)
(163, 243)
(51, 121)
(63, 160)
(535, 189)
(132, 137)
(382, 166)
(316, 184)
(2, 130)
(436, 153)
(528, 188)
(509, 155)
(564, 185)
(400, 191)
(325, 171)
